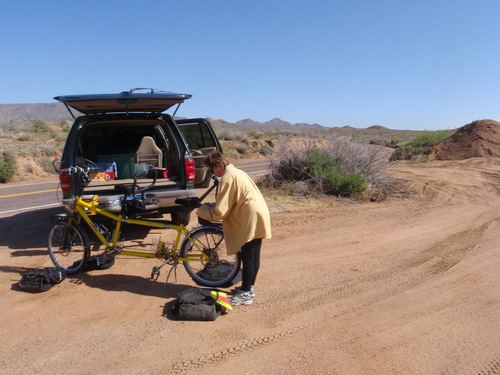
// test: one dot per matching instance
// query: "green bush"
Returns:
(346, 186)
(327, 172)
(421, 146)
(38, 126)
(319, 172)
(7, 170)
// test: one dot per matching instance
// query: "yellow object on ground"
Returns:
(221, 298)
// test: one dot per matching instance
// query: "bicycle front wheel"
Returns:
(219, 268)
(68, 247)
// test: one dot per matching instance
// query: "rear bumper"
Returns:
(156, 200)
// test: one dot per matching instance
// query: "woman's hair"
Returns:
(215, 159)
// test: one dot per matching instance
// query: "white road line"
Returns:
(35, 183)
(31, 208)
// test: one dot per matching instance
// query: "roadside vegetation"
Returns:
(7, 169)
(309, 162)
(336, 167)
(28, 147)
(420, 147)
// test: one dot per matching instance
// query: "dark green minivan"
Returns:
(128, 135)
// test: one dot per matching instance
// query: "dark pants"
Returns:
(250, 256)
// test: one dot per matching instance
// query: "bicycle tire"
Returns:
(68, 247)
(221, 268)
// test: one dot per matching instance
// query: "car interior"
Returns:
(134, 149)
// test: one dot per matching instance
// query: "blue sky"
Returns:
(403, 64)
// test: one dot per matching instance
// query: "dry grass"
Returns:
(286, 201)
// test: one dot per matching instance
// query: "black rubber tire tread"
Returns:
(213, 238)
(72, 260)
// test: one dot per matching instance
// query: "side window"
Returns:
(198, 135)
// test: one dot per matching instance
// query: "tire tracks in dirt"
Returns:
(345, 297)
(492, 368)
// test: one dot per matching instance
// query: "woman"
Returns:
(245, 217)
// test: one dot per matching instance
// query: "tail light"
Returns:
(190, 169)
(65, 179)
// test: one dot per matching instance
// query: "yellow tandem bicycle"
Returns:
(202, 249)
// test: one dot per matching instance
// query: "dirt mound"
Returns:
(478, 139)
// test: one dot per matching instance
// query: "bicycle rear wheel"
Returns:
(220, 268)
(68, 247)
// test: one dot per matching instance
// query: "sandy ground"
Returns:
(401, 287)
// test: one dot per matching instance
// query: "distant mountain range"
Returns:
(57, 112)
(48, 112)
(276, 122)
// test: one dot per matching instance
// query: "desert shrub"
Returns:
(344, 185)
(327, 175)
(46, 164)
(38, 126)
(44, 151)
(225, 136)
(266, 150)
(318, 171)
(9, 156)
(339, 167)
(255, 135)
(7, 169)
(58, 138)
(24, 138)
(14, 125)
(419, 147)
(242, 149)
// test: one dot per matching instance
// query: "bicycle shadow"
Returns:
(128, 283)
(136, 285)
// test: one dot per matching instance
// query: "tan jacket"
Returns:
(242, 209)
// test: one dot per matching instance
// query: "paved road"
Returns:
(31, 197)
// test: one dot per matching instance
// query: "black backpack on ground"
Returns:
(197, 304)
(96, 262)
(41, 280)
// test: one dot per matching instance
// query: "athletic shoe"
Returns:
(238, 288)
(241, 298)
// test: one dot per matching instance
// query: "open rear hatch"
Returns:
(127, 101)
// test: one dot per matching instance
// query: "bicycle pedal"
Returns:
(155, 273)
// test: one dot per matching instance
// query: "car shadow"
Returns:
(27, 230)
(26, 233)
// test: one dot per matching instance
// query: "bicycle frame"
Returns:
(81, 206)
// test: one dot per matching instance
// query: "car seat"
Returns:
(148, 152)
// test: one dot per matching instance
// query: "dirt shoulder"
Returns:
(401, 287)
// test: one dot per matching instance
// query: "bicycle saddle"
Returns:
(190, 202)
